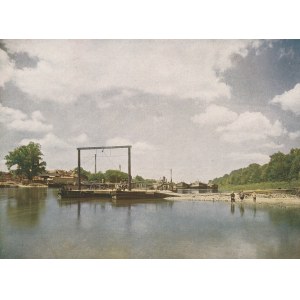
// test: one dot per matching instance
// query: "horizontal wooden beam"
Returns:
(107, 147)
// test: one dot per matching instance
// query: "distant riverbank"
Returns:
(267, 197)
(19, 185)
(260, 186)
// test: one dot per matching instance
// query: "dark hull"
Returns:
(138, 195)
(84, 194)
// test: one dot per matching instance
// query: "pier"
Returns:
(116, 195)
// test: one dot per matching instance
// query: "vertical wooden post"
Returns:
(129, 168)
(79, 171)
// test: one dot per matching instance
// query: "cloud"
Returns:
(272, 145)
(139, 147)
(215, 115)
(104, 105)
(294, 135)
(248, 158)
(69, 68)
(250, 126)
(80, 139)
(289, 100)
(17, 120)
(6, 68)
(58, 153)
(49, 141)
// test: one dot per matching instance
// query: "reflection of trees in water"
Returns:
(287, 225)
(285, 216)
(24, 205)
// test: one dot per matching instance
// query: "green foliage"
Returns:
(260, 186)
(97, 177)
(138, 178)
(115, 176)
(83, 173)
(27, 159)
(281, 168)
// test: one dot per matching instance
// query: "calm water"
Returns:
(34, 223)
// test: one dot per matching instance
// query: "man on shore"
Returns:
(242, 195)
(232, 197)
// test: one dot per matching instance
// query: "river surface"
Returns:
(35, 223)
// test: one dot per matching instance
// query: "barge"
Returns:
(115, 194)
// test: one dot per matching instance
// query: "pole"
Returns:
(95, 163)
(79, 171)
(171, 174)
(129, 168)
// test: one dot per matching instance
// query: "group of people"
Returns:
(242, 196)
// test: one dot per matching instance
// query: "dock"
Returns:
(116, 195)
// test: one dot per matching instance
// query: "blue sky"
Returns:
(200, 107)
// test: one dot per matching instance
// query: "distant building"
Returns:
(182, 185)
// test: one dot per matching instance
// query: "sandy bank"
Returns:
(272, 199)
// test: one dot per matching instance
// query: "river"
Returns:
(35, 223)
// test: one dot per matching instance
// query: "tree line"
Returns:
(27, 161)
(113, 176)
(282, 167)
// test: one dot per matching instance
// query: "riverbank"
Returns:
(260, 186)
(19, 185)
(271, 198)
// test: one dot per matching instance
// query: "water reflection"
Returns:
(285, 216)
(194, 191)
(242, 209)
(78, 210)
(25, 205)
(232, 208)
(97, 228)
(254, 210)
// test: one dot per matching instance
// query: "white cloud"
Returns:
(58, 154)
(49, 141)
(37, 116)
(139, 147)
(104, 105)
(6, 68)
(15, 119)
(215, 115)
(250, 126)
(294, 135)
(118, 141)
(248, 158)
(80, 139)
(289, 100)
(272, 145)
(70, 68)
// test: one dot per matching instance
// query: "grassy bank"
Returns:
(261, 186)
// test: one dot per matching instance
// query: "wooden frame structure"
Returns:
(106, 147)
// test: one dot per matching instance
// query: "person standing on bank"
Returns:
(232, 197)
(242, 195)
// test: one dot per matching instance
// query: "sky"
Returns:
(199, 107)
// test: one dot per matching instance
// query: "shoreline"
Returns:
(261, 198)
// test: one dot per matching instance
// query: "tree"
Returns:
(83, 173)
(28, 160)
(278, 167)
(139, 178)
(115, 176)
(96, 177)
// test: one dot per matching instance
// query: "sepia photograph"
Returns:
(149, 148)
